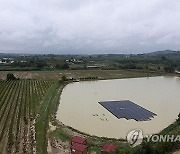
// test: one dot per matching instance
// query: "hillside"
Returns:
(164, 53)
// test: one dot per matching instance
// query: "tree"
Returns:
(129, 66)
(85, 67)
(62, 66)
(63, 78)
(163, 58)
(178, 68)
(65, 66)
(169, 69)
(178, 120)
(58, 66)
(8, 61)
(41, 64)
(10, 76)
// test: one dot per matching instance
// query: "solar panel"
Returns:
(128, 110)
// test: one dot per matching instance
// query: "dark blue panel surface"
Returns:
(128, 110)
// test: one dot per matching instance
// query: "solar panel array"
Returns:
(128, 110)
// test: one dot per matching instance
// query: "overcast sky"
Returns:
(89, 26)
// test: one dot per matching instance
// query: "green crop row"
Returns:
(19, 102)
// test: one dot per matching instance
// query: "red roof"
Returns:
(77, 139)
(79, 147)
(109, 148)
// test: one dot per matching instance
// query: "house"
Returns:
(78, 145)
(108, 148)
(79, 149)
(79, 140)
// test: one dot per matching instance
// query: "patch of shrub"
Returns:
(10, 76)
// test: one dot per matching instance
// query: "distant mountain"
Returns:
(164, 52)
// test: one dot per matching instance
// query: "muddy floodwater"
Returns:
(79, 106)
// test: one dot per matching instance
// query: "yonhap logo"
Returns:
(135, 137)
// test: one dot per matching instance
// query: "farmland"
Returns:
(76, 74)
(20, 107)
(27, 104)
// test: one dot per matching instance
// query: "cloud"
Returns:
(91, 26)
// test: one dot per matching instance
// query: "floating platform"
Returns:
(128, 110)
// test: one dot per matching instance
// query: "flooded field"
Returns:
(79, 107)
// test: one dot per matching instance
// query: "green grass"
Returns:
(174, 128)
(45, 112)
(123, 149)
(60, 134)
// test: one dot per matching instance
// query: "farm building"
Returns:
(79, 140)
(108, 148)
(79, 149)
